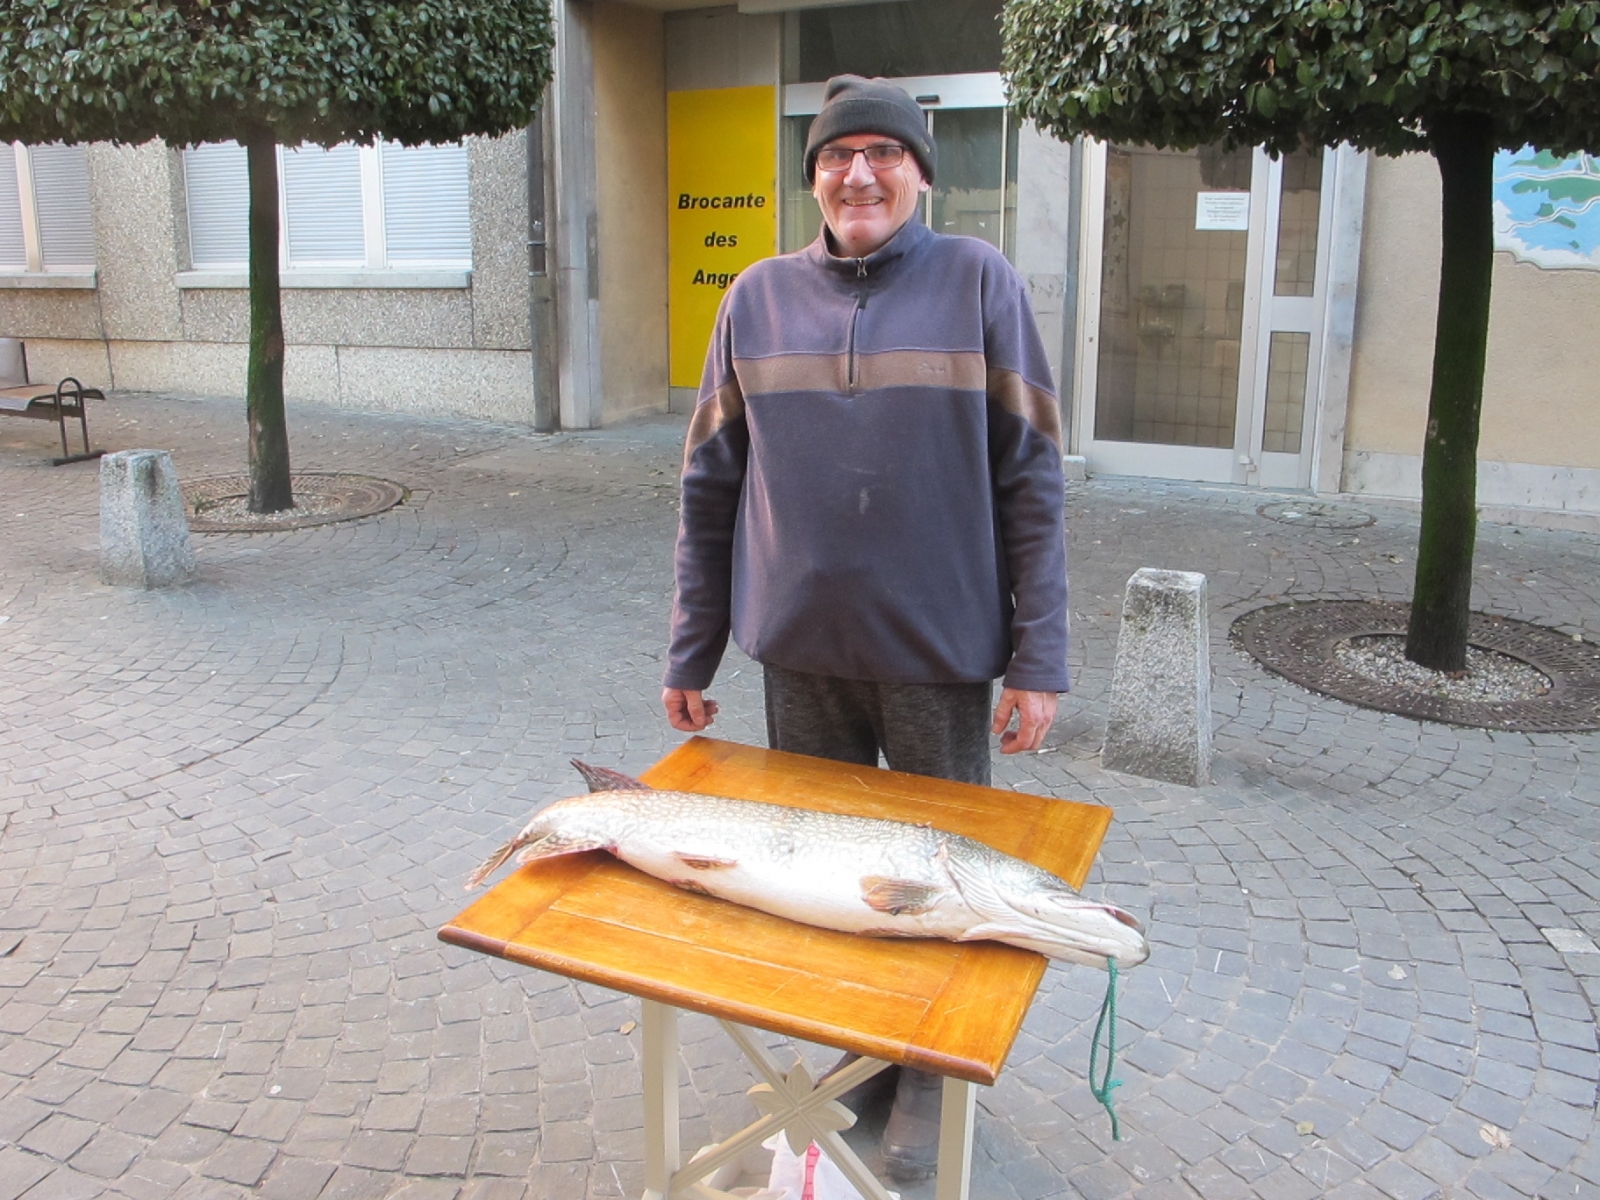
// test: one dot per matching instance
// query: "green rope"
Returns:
(1108, 1021)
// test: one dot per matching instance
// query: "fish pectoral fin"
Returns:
(704, 862)
(604, 779)
(898, 896)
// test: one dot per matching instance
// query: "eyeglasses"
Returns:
(881, 157)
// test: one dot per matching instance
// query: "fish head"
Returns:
(1025, 906)
(1065, 926)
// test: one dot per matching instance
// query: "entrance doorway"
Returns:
(1201, 332)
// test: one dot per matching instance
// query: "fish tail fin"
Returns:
(604, 779)
(493, 863)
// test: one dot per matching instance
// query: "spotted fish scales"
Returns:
(860, 875)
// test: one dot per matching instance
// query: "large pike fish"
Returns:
(855, 874)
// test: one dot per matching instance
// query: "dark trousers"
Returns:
(937, 729)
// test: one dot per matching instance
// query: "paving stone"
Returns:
(240, 1161)
(187, 1144)
(440, 1154)
(108, 1154)
(58, 1136)
(64, 1183)
(507, 1153)
(20, 1171)
(291, 1178)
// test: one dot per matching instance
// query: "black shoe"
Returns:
(869, 1094)
(911, 1139)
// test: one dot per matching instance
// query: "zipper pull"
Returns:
(861, 284)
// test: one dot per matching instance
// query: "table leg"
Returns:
(659, 1026)
(956, 1113)
(662, 1154)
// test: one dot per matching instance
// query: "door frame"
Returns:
(1327, 316)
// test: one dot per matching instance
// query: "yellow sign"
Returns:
(722, 200)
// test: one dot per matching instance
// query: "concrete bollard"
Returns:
(1160, 723)
(144, 537)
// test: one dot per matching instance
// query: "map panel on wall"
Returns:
(1547, 209)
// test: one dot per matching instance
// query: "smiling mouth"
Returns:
(866, 202)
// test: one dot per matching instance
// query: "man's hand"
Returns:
(693, 711)
(1035, 713)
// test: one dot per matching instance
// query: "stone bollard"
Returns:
(1160, 723)
(144, 537)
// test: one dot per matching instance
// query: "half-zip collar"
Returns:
(909, 238)
(860, 274)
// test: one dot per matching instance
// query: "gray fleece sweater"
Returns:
(872, 482)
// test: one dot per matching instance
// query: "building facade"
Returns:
(1230, 317)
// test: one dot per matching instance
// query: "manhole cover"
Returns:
(218, 503)
(1317, 513)
(1299, 641)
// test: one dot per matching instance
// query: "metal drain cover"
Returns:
(218, 503)
(1320, 514)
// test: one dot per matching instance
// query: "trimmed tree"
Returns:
(268, 73)
(1459, 80)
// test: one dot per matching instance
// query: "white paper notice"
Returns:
(1222, 210)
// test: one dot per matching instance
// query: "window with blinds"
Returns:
(364, 207)
(217, 184)
(13, 247)
(45, 220)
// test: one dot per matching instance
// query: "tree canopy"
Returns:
(1281, 73)
(315, 71)
(269, 73)
(1456, 78)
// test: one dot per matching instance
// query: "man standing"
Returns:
(872, 493)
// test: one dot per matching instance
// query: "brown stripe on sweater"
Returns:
(942, 369)
(1033, 404)
(959, 369)
(792, 373)
(727, 404)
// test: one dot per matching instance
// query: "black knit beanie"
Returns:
(853, 104)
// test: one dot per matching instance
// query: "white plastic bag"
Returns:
(810, 1175)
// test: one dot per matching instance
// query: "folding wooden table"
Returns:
(950, 1008)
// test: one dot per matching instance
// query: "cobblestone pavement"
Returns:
(233, 814)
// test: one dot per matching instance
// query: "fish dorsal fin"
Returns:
(898, 896)
(604, 779)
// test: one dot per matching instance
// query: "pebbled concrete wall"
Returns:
(426, 350)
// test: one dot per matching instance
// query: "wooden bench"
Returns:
(951, 1008)
(65, 401)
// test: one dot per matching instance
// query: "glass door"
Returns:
(1195, 358)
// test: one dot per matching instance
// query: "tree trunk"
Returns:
(1463, 144)
(270, 489)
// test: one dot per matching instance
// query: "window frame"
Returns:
(374, 272)
(36, 273)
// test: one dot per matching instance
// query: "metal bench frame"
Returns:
(66, 400)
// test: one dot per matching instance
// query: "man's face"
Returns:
(865, 208)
